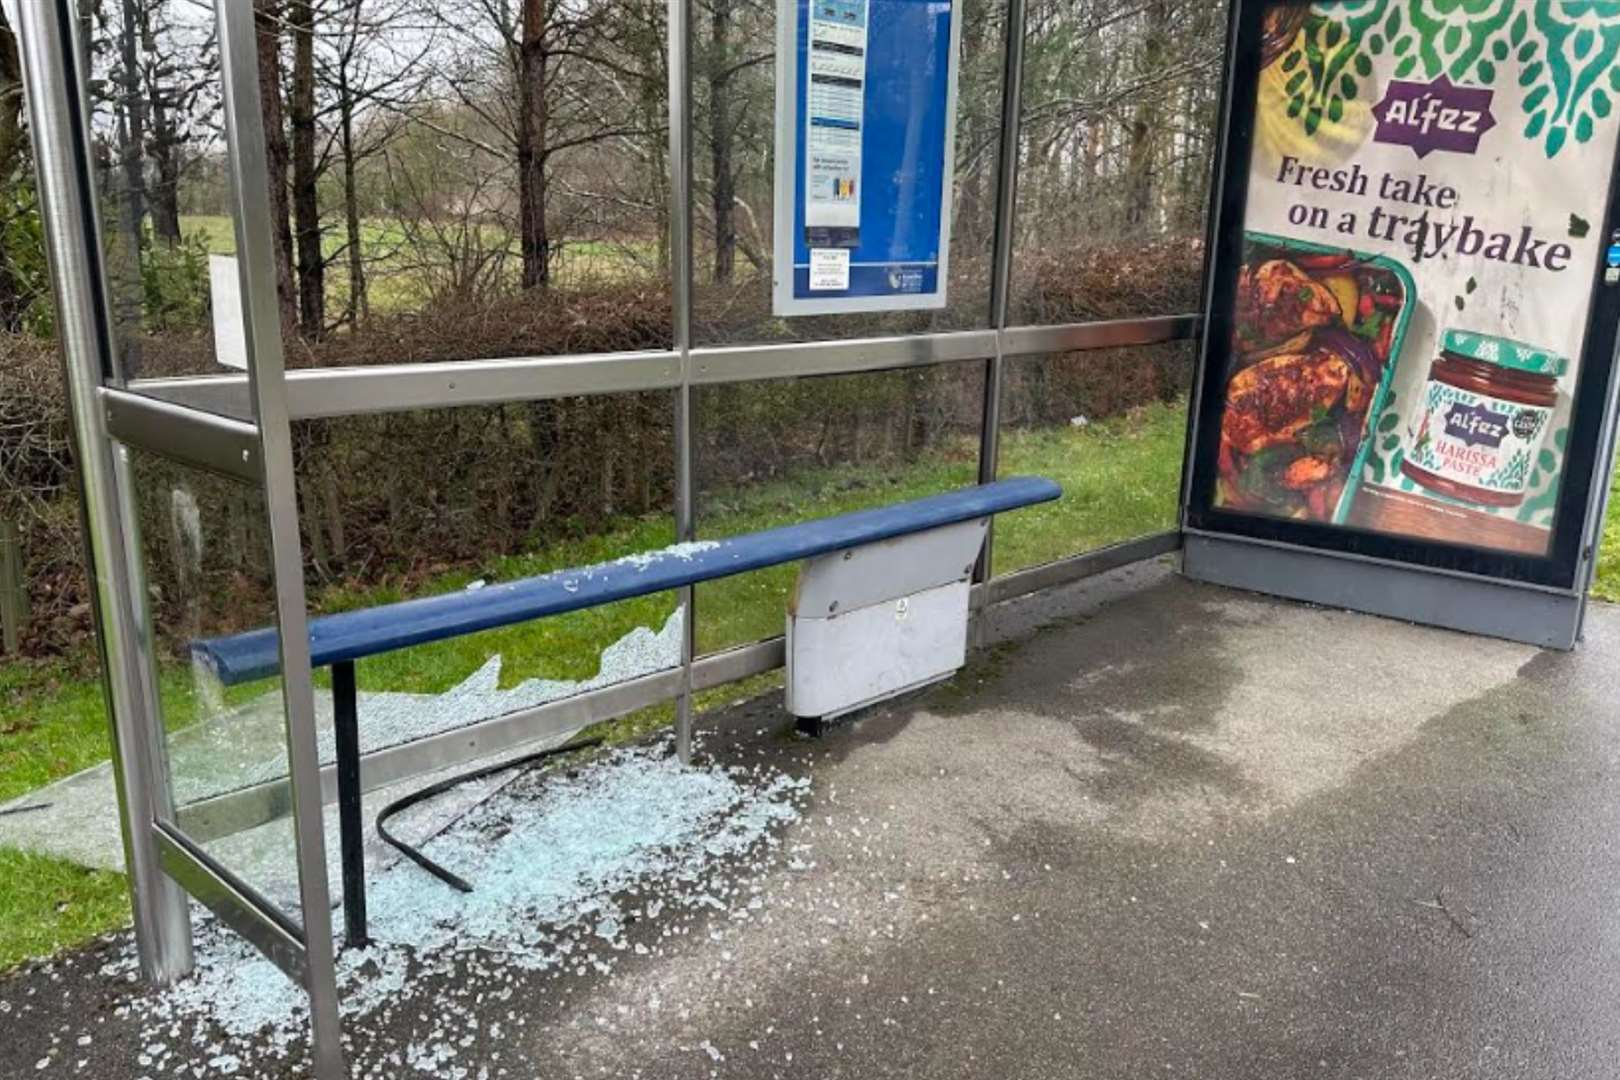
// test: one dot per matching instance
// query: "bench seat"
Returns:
(353, 635)
(338, 640)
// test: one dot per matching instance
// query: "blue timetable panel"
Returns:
(865, 144)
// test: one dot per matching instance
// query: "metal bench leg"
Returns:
(346, 721)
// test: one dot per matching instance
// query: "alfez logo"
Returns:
(1434, 116)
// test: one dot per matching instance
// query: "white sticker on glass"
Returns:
(829, 269)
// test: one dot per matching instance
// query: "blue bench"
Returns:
(337, 641)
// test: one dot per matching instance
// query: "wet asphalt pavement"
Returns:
(1180, 831)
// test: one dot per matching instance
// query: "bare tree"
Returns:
(178, 75)
(534, 57)
(267, 21)
(13, 148)
(372, 90)
(306, 172)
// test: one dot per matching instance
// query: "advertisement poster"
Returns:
(1422, 240)
(866, 122)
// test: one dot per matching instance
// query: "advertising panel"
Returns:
(1413, 298)
(865, 143)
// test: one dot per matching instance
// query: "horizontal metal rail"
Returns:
(1053, 575)
(203, 439)
(747, 363)
(1113, 334)
(245, 808)
(248, 807)
(237, 904)
(321, 393)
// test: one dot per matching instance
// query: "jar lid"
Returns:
(1504, 352)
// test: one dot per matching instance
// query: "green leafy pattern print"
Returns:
(1565, 54)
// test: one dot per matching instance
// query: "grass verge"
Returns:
(1607, 584)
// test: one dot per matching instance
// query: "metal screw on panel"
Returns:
(848, 555)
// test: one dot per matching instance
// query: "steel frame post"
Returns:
(57, 90)
(351, 804)
(1212, 217)
(1012, 86)
(1597, 511)
(680, 260)
(245, 142)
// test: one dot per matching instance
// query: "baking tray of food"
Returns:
(1316, 331)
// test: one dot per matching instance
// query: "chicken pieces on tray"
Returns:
(1272, 402)
(1311, 340)
(1277, 301)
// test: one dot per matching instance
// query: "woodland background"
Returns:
(453, 179)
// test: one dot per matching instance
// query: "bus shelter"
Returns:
(1316, 333)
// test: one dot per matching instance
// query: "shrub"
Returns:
(395, 497)
(174, 285)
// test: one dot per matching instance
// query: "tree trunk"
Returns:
(533, 117)
(125, 251)
(267, 17)
(725, 178)
(359, 303)
(12, 301)
(1143, 128)
(164, 145)
(305, 173)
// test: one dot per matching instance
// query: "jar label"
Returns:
(1475, 439)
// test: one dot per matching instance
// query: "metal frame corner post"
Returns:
(1212, 219)
(249, 171)
(680, 269)
(55, 82)
(1602, 484)
(1012, 87)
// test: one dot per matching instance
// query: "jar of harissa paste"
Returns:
(1485, 411)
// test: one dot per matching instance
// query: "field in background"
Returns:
(396, 281)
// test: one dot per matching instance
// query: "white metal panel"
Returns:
(872, 573)
(840, 663)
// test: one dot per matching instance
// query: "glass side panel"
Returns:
(431, 502)
(158, 143)
(204, 548)
(1117, 139)
(1109, 426)
(429, 198)
(775, 453)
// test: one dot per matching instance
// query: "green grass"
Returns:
(51, 725)
(55, 723)
(1120, 479)
(395, 283)
(1607, 584)
(47, 905)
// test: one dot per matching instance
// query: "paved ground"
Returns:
(1180, 832)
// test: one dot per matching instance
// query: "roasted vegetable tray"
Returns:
(1371, 329)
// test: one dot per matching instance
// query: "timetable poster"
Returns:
(866, 114)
